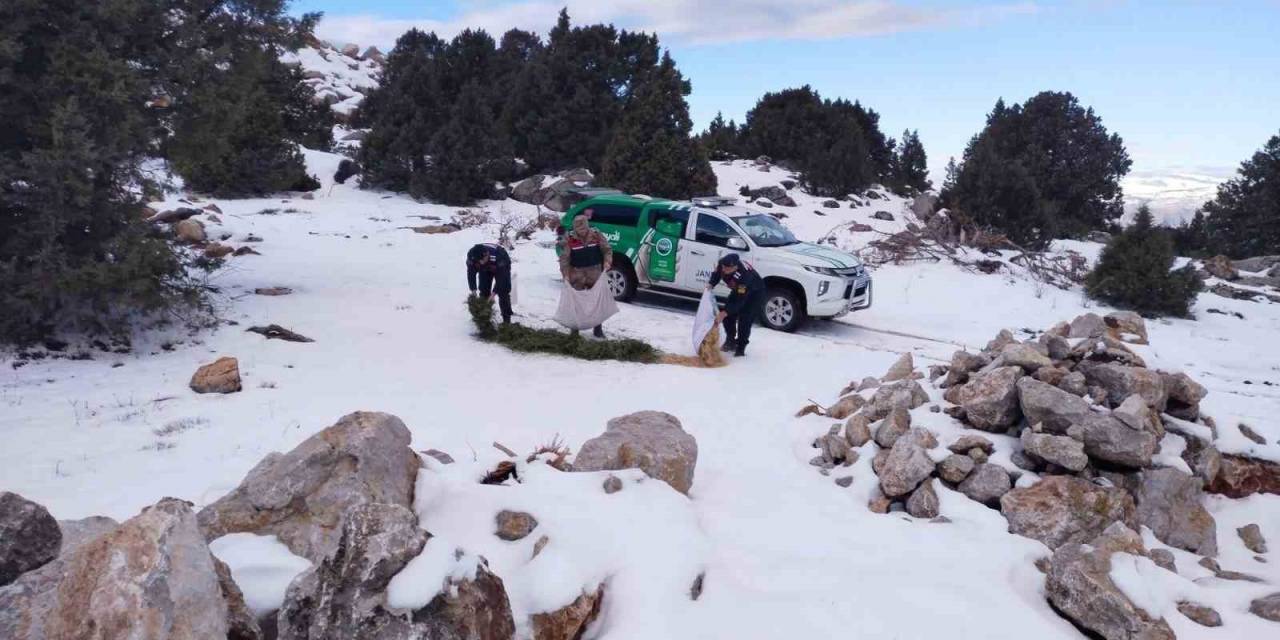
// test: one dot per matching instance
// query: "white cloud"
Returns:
(689, 21)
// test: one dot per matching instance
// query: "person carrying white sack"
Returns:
(586, 256)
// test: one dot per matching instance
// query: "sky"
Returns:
(1190, 86)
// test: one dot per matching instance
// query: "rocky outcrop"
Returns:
(652, 441)
(570, 622)
(302, 496)
(220, 376)
(1079, 586)
(29, 536)
(1062, 510)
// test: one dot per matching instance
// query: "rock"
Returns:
(151, 577)
(1163, 559)
(1169, 503)
(1126, 326)
(990, 399)
(773, 193)
(651, 441)
(29, 536)
(923, 502)
(372, 53)
(846, 406)
(844, 481)
(1221, 267)
(190, 231)
(1256, 264)
(1079, 586)
(907, 464)
(1248, 432)
(1267, 607)
(978, 455)
(1063, 451)
(612, 484)
(1251, 535)
(905, 394)
(831, 204)
(219, 376)
(878, 460)
(1134, 413)
(1241, 476)
(302, 496)
(1061, 510)
(25, 604)
(540, 545)
(1089, 325)
(172, 216)
(965, 443)
(1025, 461)
(1074, 384)
(858, 227)
(514, 525)
(955, 468)
(997, 343)
(857, 430)
(923, 206)
(1109, 440)
(351, 50)
(894, 425)
(571, 621)
(1204, 460)
(883, 215)
(217, 250)
(1052, 376)
(1185, 395)
(868, 383)
(986, 484)
(1023, 355)
(527, 190)
(1055, 409)
(1200, 614)
(241, 623)
(1121, 381)
(879, 503)
(901, 369)
(273, 291)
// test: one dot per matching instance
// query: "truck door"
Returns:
(662, 244)
(701, 254)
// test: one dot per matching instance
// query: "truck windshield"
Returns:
(765, 231)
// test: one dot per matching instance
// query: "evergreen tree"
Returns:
(911, 166)
(843, 165)
(1192, 237)
(720, 140)
(1244, 219)
(457, 170)
(1068, 171)
(1134, 272)
(652, 151)
(404, 112)
(74, 252)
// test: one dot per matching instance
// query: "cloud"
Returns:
(687, 21)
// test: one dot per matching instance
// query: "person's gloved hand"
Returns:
(721, 316)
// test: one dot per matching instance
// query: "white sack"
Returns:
(704, 320)
(585, 309)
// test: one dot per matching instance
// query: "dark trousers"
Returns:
(499, 283)
(737, 328)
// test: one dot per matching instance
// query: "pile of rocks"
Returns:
(772, 195)
(554, 192)
(1261, 273)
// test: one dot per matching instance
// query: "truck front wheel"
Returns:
(622, 281)
(782, 310)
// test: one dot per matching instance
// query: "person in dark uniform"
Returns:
(746, 301)
(491, 266)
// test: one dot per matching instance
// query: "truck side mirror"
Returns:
(736, 243)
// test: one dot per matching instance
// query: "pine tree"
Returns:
(720, 139)
(404, 112)
(1134, 272)
(1244, 219)
(911, 165)
(459, 154)
(1068, 170)
(652, 151)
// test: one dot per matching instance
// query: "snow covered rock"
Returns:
(302, 496)
(1267, 607)
(570, 621)
(986, 484)
(1251, 536)
(1126, 326)
(1221, 267)
(904, 394)
(908, 463)
(190, 231)
(25, 604)
(1170, 503)
(151, 577)
(1061, 510)
(1089, 325)
(1079, 586)
(990, 400)
(1121, 381)
(846, 406)
(651, 441)
(220, 376)
(1063, 451)
(29, 536)
(1047, 405)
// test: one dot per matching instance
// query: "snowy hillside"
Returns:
(339, 76)
(774, 547)
(1173, 196)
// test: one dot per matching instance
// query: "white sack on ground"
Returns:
(585, 309)
(704, 320)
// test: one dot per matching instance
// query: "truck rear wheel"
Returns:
(622, 281)
(782, 310)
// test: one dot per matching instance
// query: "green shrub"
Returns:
(1134, 272)
(529, 340)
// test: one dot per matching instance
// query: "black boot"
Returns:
(740, 351)
(729, 345)
(598, 331)
(506, 319)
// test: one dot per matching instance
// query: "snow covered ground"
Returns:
(785, 551)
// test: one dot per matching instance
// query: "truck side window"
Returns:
(620, 215)
(714, 231)
(674, 215)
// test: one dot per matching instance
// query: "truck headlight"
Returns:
(823, 287)
(826, 271)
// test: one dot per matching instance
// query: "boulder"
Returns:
(612, 484)
(1089, 325)
(1267, 607)
(172, 216)
(1200, 614)
(569, 622)
(1121, 381)
(964, 363)
(1169, 502)
(1248, 432)
(966, 443)
(893, 426)
(25, 604)
(527, 190)
(1204, 460)
(241, 623)
(1074, 384)
(1020, 354)
(1055, 409)
(1052, 376)
(955, 468)
(302, 496)
(901, 369)
(514, 525)
(846, 406)
(1079, 586)
(190, 231)
(905, 394)
(857, 430)
(990, 400)
(651, 441)
(1221, 267)
(1241, 476)
(1063, 451)
(986, 484)
(1109, 440)
(1251, 536)
(220, 376)
(1059, 348)
(29, 536)
(1126, 326)
(1258, 263)
(923, 502)
(1062, 510)
(351, 50)
(883, 215)
(923, 206)
(1134, 413)
(907, 464)
(830, 204)
(997, 343)
(151, 577)
(1163, 559)
(1185, 395)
